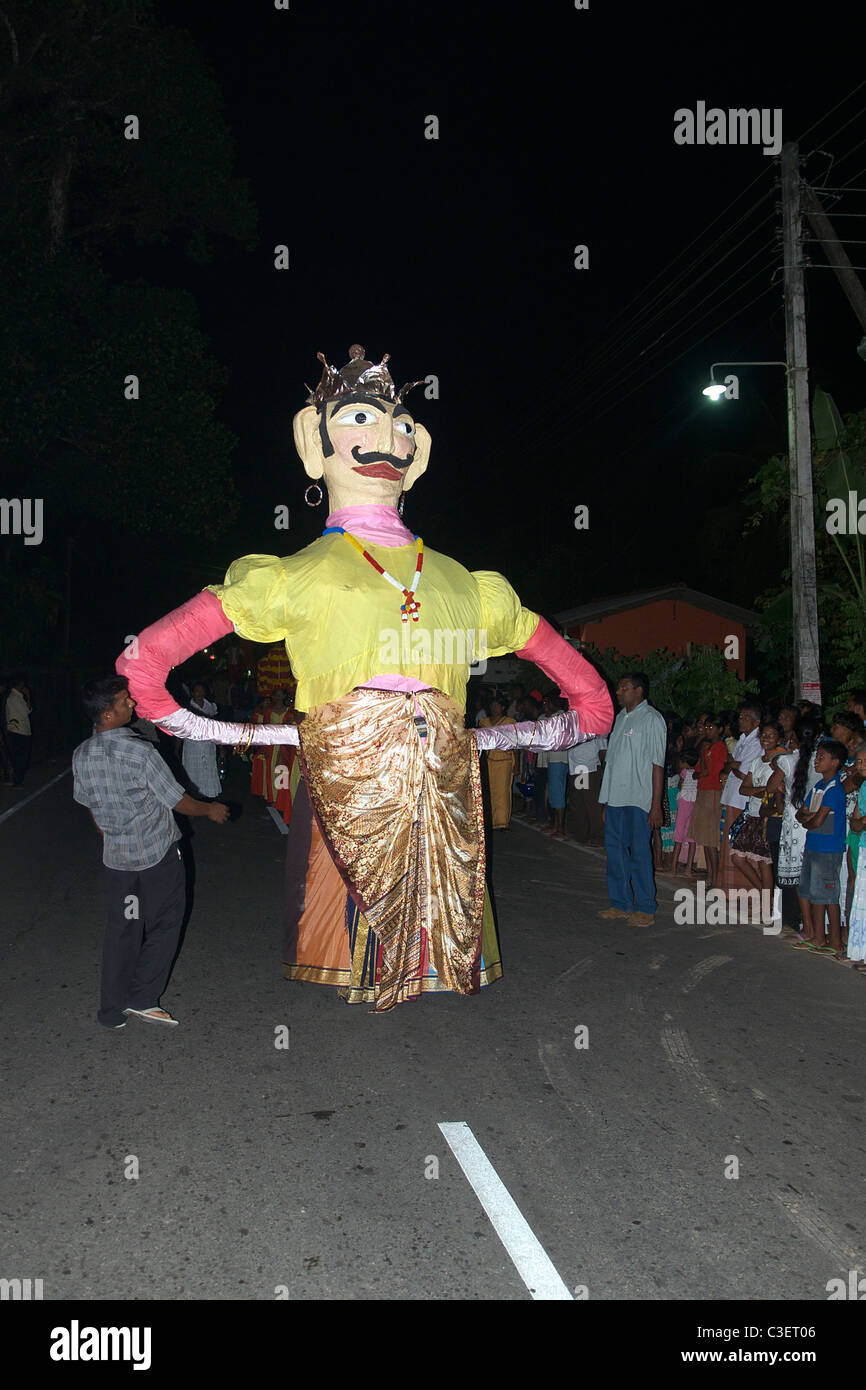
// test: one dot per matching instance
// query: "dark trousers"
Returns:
(791, 914)
(19, 746)
(628, 841)
(145, 914)
(773, 836)
(538, 807)
(583, 817)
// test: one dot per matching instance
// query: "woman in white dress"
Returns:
(795, 772)
(200, 759)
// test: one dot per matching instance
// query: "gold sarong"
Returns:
(402, 817)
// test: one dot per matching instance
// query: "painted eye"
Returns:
(405, 427)
(357, 417)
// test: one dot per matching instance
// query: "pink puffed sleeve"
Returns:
(150, 656)
(583, 687)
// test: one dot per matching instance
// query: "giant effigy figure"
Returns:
(385, 882)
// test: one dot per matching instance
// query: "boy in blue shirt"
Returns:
(824, 819)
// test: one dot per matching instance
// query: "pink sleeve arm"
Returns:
(150, 656)
(583, 687)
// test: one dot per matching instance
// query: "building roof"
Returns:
(621, 603)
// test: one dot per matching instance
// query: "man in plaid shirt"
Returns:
(131, 795)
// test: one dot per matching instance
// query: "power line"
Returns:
(617, 349)
(614, 384)
(667, 365)
(661, 294)
(622, 346)
(850, 94)
(671, 338)
(827, 139)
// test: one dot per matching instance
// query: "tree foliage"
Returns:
(839, 468)
(687, 684)
(90, 223)
(699, 679)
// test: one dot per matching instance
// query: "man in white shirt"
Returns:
(746, 750)
(583, 816)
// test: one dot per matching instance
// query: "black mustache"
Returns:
(383, 458)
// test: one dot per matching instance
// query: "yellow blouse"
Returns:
(341, 621)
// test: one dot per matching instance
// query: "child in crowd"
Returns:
(688, 790)
(822, 857)
(670, 792)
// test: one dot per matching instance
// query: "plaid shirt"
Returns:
(128, 787)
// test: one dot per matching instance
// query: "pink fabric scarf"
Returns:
(375, 524)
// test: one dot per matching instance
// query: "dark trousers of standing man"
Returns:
(145, 914)
(628, 841)
(19, 746)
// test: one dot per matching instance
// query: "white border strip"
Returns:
(280, 823)
(528, 1255)
(33, 795)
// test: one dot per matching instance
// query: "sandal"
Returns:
(154, 1016)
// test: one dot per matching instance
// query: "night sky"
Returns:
(557, 386)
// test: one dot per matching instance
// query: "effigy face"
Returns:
(367, 449)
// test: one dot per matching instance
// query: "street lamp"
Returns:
(716, 390)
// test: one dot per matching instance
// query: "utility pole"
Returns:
(807, 672)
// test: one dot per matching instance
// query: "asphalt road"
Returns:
(305, 1171)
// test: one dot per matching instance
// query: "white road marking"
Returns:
(528, 1255)
(33, 795)
(281, 824)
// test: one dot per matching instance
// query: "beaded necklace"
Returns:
(411, 605)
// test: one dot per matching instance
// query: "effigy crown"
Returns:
(357, 376)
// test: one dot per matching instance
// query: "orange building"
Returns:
(674, 617)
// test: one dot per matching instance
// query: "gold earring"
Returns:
(318, 499)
